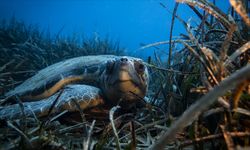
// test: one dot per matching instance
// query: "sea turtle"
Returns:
(89, 80)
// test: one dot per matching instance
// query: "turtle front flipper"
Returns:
(86, 97)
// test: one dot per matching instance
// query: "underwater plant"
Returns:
(25, 49)
(213, 63)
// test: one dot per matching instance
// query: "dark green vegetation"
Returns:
(25, 50)
(205, 61)
(209, 61)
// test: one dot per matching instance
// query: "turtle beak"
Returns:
(118, 71)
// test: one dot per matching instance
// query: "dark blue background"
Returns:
(132, 22)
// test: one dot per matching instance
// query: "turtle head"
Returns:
(125, 80)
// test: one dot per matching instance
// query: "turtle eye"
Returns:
(110, 67)
(139, 67)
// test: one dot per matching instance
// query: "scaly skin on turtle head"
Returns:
(125, 80)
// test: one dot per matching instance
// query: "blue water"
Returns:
(132, 22)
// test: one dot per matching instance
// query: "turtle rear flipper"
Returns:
(85, 96)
